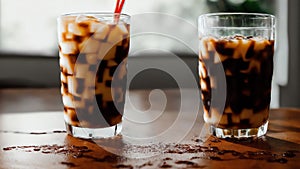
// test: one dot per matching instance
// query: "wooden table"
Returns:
(32, 135)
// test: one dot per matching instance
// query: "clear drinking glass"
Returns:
(235, 69)
(93, 50)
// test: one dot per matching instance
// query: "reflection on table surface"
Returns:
(166, 131)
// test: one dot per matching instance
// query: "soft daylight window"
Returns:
(30, 26)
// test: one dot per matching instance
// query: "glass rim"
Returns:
(237, 14)
(271, 20)
(110, 14)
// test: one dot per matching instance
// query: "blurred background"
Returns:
(29, 52)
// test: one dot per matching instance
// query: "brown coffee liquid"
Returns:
(93, 54)
(248, 66)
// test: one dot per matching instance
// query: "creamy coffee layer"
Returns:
(248, 66)
(93, 54)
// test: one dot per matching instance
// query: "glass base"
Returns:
(239, 133)
(94, 133)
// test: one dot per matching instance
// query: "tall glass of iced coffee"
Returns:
(93, 49)
(235, 70)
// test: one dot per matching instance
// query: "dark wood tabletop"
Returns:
(32, 135)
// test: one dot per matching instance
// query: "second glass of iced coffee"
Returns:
(93, 49)
(235, 70)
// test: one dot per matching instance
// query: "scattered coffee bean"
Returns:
(124, 166)
(165, 165)
(69, 164)
(289, 154)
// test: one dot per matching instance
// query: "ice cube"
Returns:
(63, 78)
(215, 116)
(117, 33)
(210, 44)
(218, 58)
(67, 19)
(78, 29)
(75, 86)
(203, 85)
(72, 116)
(241, 49)
(99, 29)
(68, 102)
(228, 110)
(90, 46)
(81, 70)
(66, 64)
(202, 70)
(63, 90)
(260, 45)
(111, 63)
(61, 29)
(91, 58)
(232, 44)
(72, 86)
(67, 118)
(206, 115)
(67, 36)
(88, 93)
(68, 47)
(63, 23)
(85, 19)
(90, 79)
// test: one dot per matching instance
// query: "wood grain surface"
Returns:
(173, 137)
